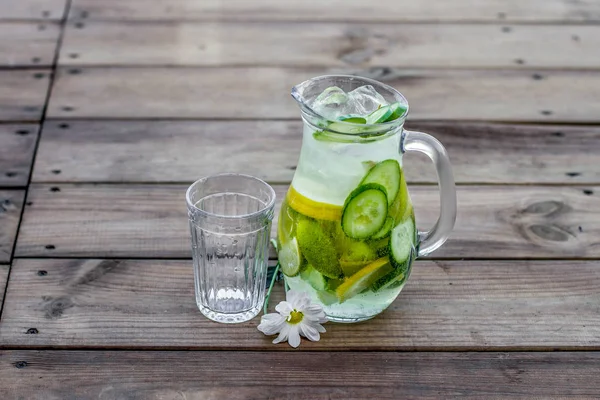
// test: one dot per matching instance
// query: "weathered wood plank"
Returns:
(264, 93)
(349, 10)
(312, 375)
(28, 44)
(466, 305)
(23, 94)
(167, 151)
(151, 221)
(11, 203)
(330, 45)
(32, 9)
(4, 269)
(17, 144)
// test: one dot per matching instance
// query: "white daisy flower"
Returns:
(296, 316)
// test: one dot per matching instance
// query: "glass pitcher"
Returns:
(346, 232)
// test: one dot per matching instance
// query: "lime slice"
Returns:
(355, 250)
(398, 110)
(290, 258)
(311, 208)
(363, 279)
(380, 115)
(318, 249)
(287, 220)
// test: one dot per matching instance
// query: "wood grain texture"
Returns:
(259, 93)
(17, 144)
(42, 10)
(151, 221)
(4, 269)
(23, 94)
(11, 204)
(167, 151)
(311, 10)
(28, 44)
(259, 375)
(470, 305)
(330, 45)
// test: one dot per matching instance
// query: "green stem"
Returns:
(268, 296)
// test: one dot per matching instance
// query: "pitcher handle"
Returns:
(427, 144)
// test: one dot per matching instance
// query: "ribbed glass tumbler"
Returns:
(230, 221)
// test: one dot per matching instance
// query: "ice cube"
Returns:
(364, 100)
(331, 103)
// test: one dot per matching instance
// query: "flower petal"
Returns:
(292, 297)
(284, 308)
(294, 336)
(271, 324)
(309, 332)
(320, 328)
(314, 309)
(283, 335)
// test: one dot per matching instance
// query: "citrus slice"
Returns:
(318, 249)
(363, 279)
(290, 258)
(311, 208)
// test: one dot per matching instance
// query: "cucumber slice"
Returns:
(402, 244)
(346, 127)
(381, 246)
(363, 279)
(387, 174)
(353, 119)
(385, 230)
(365, 211)
(327, 298)
(312, 276)
(398, 110)
(380, 115)
(333, 284)
(317, 247)
(290, 258)
(351, 267)
(397, 277)
(393, 279)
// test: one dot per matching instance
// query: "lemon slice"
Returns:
(311, 208)
(363, 279)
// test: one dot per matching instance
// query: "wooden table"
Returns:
(109, 109)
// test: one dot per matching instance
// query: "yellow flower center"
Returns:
(295, 317)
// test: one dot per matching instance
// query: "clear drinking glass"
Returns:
(230, 221)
